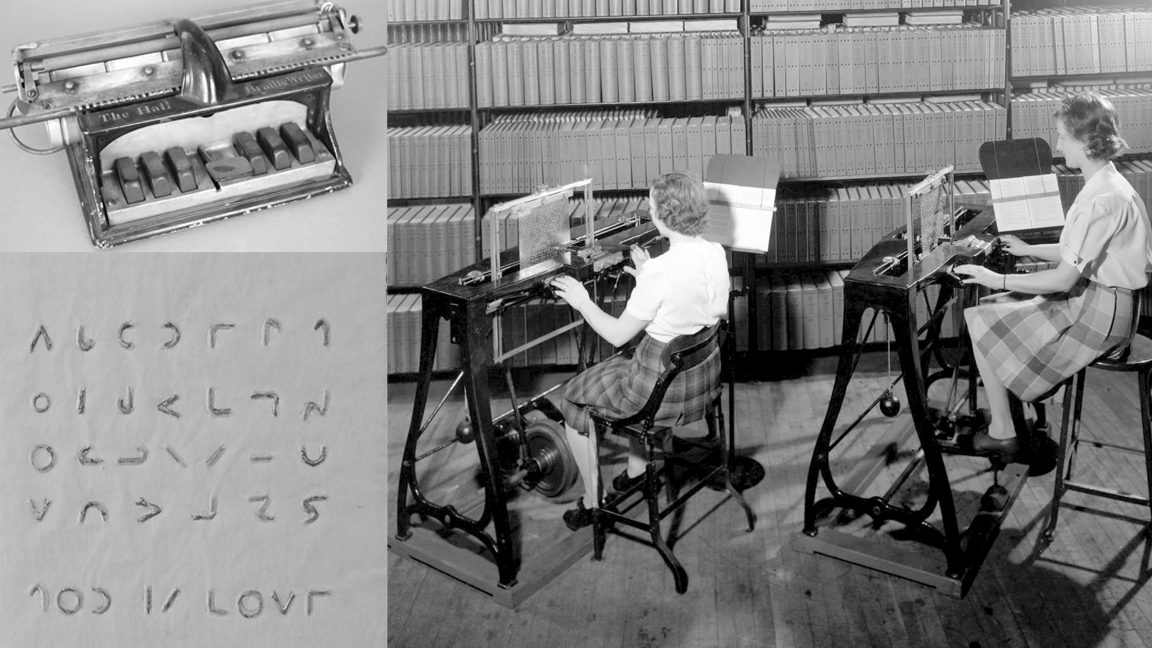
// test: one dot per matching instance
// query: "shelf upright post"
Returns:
(474, 113)
(746, 30)
(1006, 17)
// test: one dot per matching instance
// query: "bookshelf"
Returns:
(1061, 47)
(858, 100)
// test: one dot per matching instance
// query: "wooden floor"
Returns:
(755, 589)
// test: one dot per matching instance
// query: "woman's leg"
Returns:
(584, 451)
(1000, 427)
(636, 458)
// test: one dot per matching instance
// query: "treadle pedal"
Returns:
(746, 473)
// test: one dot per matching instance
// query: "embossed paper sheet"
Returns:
(193, 450)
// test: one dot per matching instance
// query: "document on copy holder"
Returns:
(1025, 194)
(741, 200)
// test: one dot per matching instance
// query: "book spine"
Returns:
(659, 58)
(626, 70)
(610, 71)
(561, 67)
(692, 69)
(677, 90)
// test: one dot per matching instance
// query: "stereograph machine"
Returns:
(904, 267)
(175, 123)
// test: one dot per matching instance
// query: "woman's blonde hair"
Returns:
(680, 202)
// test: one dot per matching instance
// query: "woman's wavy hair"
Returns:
(680, 202)
(1092, 120)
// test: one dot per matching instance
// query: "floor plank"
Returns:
(1087, 588)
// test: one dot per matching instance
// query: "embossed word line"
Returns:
(248, 604)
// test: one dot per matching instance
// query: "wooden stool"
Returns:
(1138, 360)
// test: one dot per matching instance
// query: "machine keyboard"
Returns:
(154, 183)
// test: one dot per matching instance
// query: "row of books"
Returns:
(403, 329)
(533, 9)
(893, 18)
(514, 9)
(827, 225)
(427, 242)
(438, 32)
(617, 28)
(429, 161)
(837, 224)
(424, 76)
(1137, 172)
(518, 153)
(516, 71)
(805, 311)
(1032, 113)
(626, 149)
(876, 138)
(433, 10)
(768, 6)
(1081, 40)
(844, 61)
(840, 224)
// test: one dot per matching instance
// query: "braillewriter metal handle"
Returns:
(16, 121)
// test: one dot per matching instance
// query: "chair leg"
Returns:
(599, 530)
(599, 534)
(667, 451)
(678, 572)
(1071, 392)
(1146, 424)
(1075, 425)
(652, 497)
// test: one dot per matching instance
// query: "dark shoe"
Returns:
(623, 482)
(1006, 449)
(579, 517)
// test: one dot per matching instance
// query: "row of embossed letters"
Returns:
(127, 338)
(41, 403)
(262, 508)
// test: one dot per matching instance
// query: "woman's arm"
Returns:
(1049, 252)
(1058, 279)
(616, 330)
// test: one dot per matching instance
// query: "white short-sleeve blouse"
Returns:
(682, 290)
(1106, 235)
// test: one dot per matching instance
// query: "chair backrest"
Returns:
(681, 354)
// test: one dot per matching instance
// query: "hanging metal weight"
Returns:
(889, 403)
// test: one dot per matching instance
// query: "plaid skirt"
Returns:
(1036, 344)
(620, 386)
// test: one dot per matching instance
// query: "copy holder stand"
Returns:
(741, 193)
